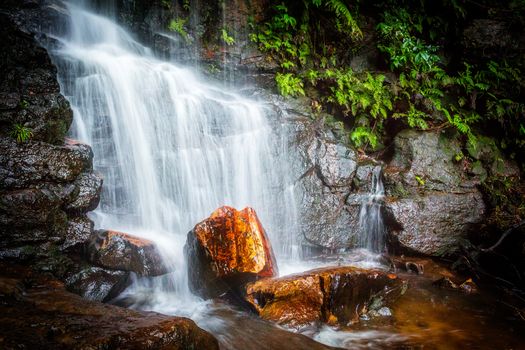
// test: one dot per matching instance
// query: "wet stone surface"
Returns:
(38, 313)
(227, 250)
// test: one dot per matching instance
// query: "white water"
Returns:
(372, 228)
(171, 147)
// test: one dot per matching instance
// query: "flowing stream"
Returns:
(371, 226)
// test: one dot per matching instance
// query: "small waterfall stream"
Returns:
(372, 228)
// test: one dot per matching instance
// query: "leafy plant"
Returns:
(226, 38)
(420, 180)
(177, 25)
(21, 133)
(289, 85)
(23, 104)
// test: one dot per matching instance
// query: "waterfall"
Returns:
(371, 226)
(170, 146)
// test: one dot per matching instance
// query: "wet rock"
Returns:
(325, 170)
(29, 80)
(42, 198)
(330, 295)
(468, 287)
(435, 223)
(122, 251)
(327, 220)
(89, 186)
(32, 163)
(46, 316)
(78, 233)
(95, 283)
(425, 159)
(445, 283)
(227, 250)
(335, 163)
(435, 201)
(28, 207)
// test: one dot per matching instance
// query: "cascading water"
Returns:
(171, 148)
(371, 225)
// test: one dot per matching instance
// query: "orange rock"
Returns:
(227, 250)
(330, 295)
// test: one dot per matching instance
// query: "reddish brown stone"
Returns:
(226, 250)
(332, 295)
(38, 313)
(121, 251)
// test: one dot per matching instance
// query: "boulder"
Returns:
(98, 284)
(433, 200)
(425, 159)
(327, 220)
(333, 295)
(121, 251)
(38, 313)
(89, 186)
(325, 170)
(78, 232)
(32, 163)
(227, 250)
(435, 223)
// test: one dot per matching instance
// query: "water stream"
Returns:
(372, 229)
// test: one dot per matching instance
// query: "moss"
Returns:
(399, 190)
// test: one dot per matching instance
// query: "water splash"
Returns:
(371, 226)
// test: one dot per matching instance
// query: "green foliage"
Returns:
(21, 133)
(313, 42)
(362, 135)
(343, 14)
(177, 25)
(420, 180)
(226, 38)
(289, 85)
(23, 104)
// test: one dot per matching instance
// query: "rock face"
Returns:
(434, 202)
(328, 174)
(122, 251)
(40, 314)
(226, 250)
(329, 295)
(98, 284)
(29, 91)
(433, 224)
(46, 185)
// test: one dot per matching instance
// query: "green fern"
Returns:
(343, 13)
(226, 38)
(289, 85)
(177, 25)
(362, 135)
(21, 133)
